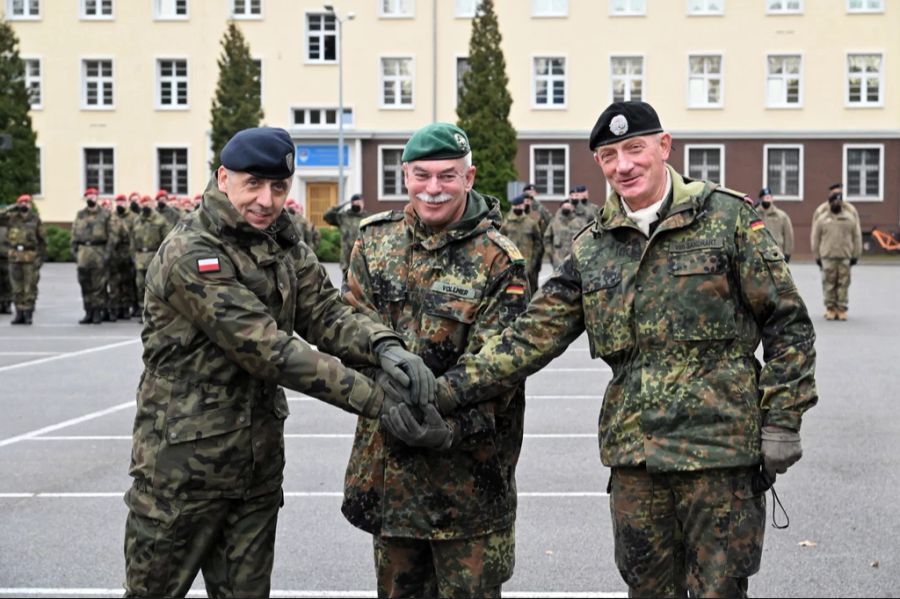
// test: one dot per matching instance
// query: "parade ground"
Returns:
(67, 399)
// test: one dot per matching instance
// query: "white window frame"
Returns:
(397, 79)
(29, 79)
(160, 16)
(456, 78)
(628, 77)
(84, 83)
(706, 78)
(408, 14)
(784, 10)
(783, 103)
(27, 13)
(322, 34)
(40, 192)
(705, 11)
(630, 10)
(84, 149)
(800, 167)
(187, 164)
(846, 151)
(881, 82)
(83, 14)
(388, 197)
(348, 124)
(174, 79)
(246, 15)
(463, 12)
(719, 147)
(541, 12)
(550, 79)
(865, 9)
(568, 165)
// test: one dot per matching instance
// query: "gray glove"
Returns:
(780, 449)
(409, 370)
(434, 433)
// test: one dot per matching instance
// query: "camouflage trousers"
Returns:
(121, 284)
(5, 283)
(686, 532)
(474, 567)
(24, 277)
(232, 541)
(534, 269)
(140, 280)
(835, 283)
(93, 287)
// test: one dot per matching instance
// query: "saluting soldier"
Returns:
(91, 245)
(525, 233)
(26, 250)
(347, 220)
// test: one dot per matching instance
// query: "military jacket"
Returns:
(171, 214)
(308, 231)
(678, 318)
(120, 231)
(540, 214)
(24, 240)
(778, 223)
(836, 236)
(824, 208)
(91, 240)
(223, 301)
(445, 294)
(147, 234)
(525, 233)
(559, 235)
(587, 212)
(348, 223)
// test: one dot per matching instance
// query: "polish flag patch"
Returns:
(208, 265)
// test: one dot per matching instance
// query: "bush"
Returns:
(329, 249)
(58, 244)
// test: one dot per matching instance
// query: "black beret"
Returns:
(623, 120)
(580, 188)
(834, 186)
(265, 152)
(519, 199)
(529, 187)
(765, 191)
(356, 196)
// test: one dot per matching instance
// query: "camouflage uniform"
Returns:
(779, 225)
(223, 303)
(308, 231)
(559, 235)
(540, 214)
(5, 283)
(26, 249)
(170, 213)
(348, 223)
(836, 241)
(587, 212)
(678, 318)
(442, 520)
(147, 234)
(91, 245)
(525, 233)
(121, 265)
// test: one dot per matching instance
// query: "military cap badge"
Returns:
(461, 142)
(289, 160)
(618, 125)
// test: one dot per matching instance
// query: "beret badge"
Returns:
(461, 142)
(289, 159)
(618, 125)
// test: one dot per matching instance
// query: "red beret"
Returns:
(90, 191)
(23, 199)
(162, 193)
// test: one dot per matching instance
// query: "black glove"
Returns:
(780, 449)
(787, 259)
(819, 262)
(853, 261)
(409, 370)
(434, 433)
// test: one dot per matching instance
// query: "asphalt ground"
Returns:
(67, 403)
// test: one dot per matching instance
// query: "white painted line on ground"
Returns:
(69, 354)
(62, 337)
(596, 396)
(291, 436)
(311, 494)
(302, 594)
(28, 353)
(65, 423)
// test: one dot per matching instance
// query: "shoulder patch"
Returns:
(380, 217)
(506, 245)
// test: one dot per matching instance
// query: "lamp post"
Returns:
(329, 8)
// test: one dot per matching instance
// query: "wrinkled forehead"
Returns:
(436, 167)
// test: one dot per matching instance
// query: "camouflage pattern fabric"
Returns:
(779, 225)
(24, 278)
(836, 283)
(587, 212)
(309, 233)
(540, 214)
(463, 568)
(445, 293)
(121, 264)
(525, 233)
(698, 532)
(91, 245)
(25, 250)
(6, 294)
(559, 236)
(147, 234)
(348, 223)
(170, 214)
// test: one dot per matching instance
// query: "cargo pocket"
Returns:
(445, 326)
(149, 543)
(607, 318)
(746, 528)
(778, 269)
(703, 306)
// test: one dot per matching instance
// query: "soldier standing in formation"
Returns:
(583, 205)
(676, 284)
(835, 190)
(91, 246)
(166, 206)
(121, 263)
(534, 207)
(148, 231)
(347, 221)
(208, 448)
(777, 222)
(525, 233)
(26, 250)
(836, 242)
(562, 230)
(438, 495)
(5, 284)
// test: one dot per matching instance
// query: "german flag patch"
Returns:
(515, 289)
(757, 224)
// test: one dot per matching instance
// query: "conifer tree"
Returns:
(18, 153)
(484, 104)
(237, 104)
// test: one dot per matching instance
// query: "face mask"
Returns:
(120, 210)
(584, 201)
(527, 209)
(765, 205)
(134, 207)
(91, 203)
(518, 211)
(566, 212)
(355, 208)
(835, 207)
(292, 211)
(835, 197)
(160, 206)
(146, 210)
(23, 208)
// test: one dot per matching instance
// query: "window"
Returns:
(706, 7)
(309, 118)
(171, 9)
(784, 7)
(391, 185)
(626, 78)
(549, 82)
(783, 170)
(467, 8)
(396, 83)
(172, 77)
(97, 83)
(705, 162)
(246, 9)
(854, 6)
(99, 170)
(395, 8)
(462, 67)
(864, 73)
(864, 172)
(96, 9)
(549, 8)
(784, 81)
(550, 170)
(627, 8)
(172, 170)
(23, 9)
(705, 82)
(33, 81)
(321, 38)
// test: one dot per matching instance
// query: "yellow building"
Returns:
(789, 94)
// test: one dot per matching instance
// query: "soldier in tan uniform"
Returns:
(836, 242)
(526, 234)
(777, 222)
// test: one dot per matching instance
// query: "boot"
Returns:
(19, 318)
(123, 313)
(88, 317)
(110, 315)
(28, 314)
(830, 314)
(136, 310)
(4, 308)
(104, 314)
(841, 315)
(97, 316)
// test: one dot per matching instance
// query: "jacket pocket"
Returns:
(701, 294)
(605, 314)
(747, 524)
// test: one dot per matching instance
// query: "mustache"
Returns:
(430, 199)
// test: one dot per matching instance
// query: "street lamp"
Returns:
(329, 8)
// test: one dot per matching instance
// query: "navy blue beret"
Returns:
(765, 191)
(580, 188)
(519, 199)
(266, 152)
(623, 120)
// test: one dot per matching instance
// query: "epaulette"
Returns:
(736, 194)
(587, 227)
(506, 245)
(380, 217)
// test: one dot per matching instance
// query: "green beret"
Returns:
(437, 141)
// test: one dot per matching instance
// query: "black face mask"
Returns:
(836, 197)
(23, 208)
(835, 207)
(355, 208)
(584, 201)
(765, 204)
(120, 210)
(527, 209)
(134, 207)
(518, 211)
(146, 210)
(566, 211)
(292, 211)
(91, 203)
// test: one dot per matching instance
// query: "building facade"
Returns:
(790, 94)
